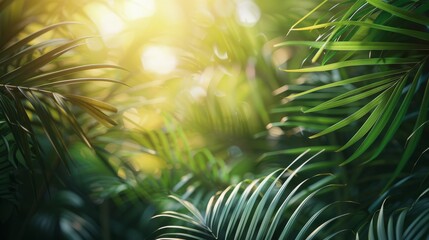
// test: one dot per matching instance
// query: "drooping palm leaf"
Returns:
(38, 101)
(36, 96)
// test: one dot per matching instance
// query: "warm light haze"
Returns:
(214, 119)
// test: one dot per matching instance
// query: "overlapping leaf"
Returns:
(30, 96)
(406, 223)
(395, 38)
(271, 207)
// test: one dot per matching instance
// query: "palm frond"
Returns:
(403, 223)
(31, 96)
(397, 64)
(271, 207)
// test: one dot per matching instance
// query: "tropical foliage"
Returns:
(264, 208)
(214, 119)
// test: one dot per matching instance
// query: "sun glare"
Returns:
(158, 59)
(107, 21)
(135, 9)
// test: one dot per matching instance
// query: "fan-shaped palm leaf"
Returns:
(266, 208)
(404, 223)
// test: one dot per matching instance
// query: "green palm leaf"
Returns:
(357, 62)
(386, 89)
(358, 45)
(398, 12)
(404, 223)
(31, 91)
(267, 208)
(370, 25)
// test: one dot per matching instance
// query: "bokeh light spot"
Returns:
(197, 92)
(248, 13)
(158, 59)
